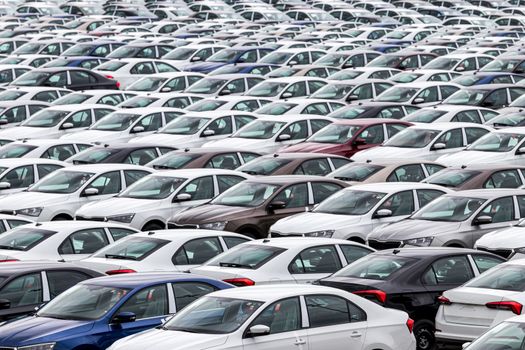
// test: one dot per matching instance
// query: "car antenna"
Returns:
(150, 233)
(396, 251)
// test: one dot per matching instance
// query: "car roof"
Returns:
(425, 252)
(272, 292)
(198, 172)
(488, 193)
(12, 268)
(134, 280)
(72, 225)
(286, 179)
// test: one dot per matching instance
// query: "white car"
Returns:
(507, 242)
(55, 121)
(165, 82)
(100, 97)
(34, 93)
(64, 241)
(151, 201)
(161, 99)
(17, 174)
(508, 335)
(422, 75)
(300, 105)
(285, 88)
(501, 147)
(228, 103)
(468, 311)
(188, 54)
(41, 148)
(197, 128)
(270, 133)
(459, 62)
(128, 70)
(32, 60)
(451, 113)
(293, 57)
(427, 93)
(363, 73)
(425, 142)
(354, 212)
(164, 250)
(126, 124)
(224, 84)
(8, 222)
(279, 317)
(12, 113)
(59, 195)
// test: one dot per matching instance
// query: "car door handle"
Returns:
(300, 342)
(355, 334)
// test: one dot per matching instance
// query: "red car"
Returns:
(346, 137)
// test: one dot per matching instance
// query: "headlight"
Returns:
(45, 346)
(126, 218)
(324, 234)
(419, 242)
(30, 211)
(219, 225)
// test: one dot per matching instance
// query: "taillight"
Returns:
(410, 325)
(444, 300)
(118, 85)
(118, 272)
(506, 305)
(9, 260)
(109, 76)
(379, 295)
(240, 282)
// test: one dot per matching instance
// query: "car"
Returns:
(12, 113)
(507, 334)
(67, 78)
(402, 61)
(282, 260)
(492, 297)
(482, 77)
(53, 47)
(423, 93)
(178, 100)
(10, 72)
(374, 110)
(348, 92)
(165, 82)
(453, 220)
(148, 203)
(425, 141)
(354, 212)
(226, 56)
(363, 73)
(134, 303)
(351, 58)
(40, 148)
(100, 97)
(141, 50)
(252, 206)
(286, 88)
(494, 96)
(163, 250)
(17, 174)
(29, 60)
(292, 57)
(277, 315)
(452, 113)
(181, 57)
(513, 64)
(34, 93)
(138, 154)
(203, 158)
(460, 62)
(18, 300)
(87, 62)
(97, 48)
(420, 75)
(412, 280)
(506, 242)
(299, 106)
(230, 103)
(347, 137)
(224, 84)
(59, 195)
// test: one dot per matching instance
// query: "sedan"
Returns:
(493, 96)
(165, 82)
(509, 335)
(220, 158)
(67, 78)
(120, 153)
(425, 93)
(40, 148)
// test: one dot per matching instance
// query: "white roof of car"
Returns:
(189, 173)
(272, 292)
(73, 225)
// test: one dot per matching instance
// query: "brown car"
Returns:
(203, 158)
(252, 206)
(386, 171)
(466, 178)
(294, 164)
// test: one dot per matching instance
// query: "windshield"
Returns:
(513, 119)
(332, 60)
(207, 86)
(443, 63)
(11, 95)
(348, 113)
(225, 56)
(406, 77)
(356, 172)
(31, 79)
(15, 150)
(46, 118)
(132, 248)
(424, 116)
(260, 129)
(267, 89)
(248, 256)
(263, 166)
(71, 99)
(138, 102)
(497, 142)
(179, 54)
(412, 138)
(468, 80)
(346, 75)
(375, 267)
(333, 91)
(504, 336)
(276, 58)
(147, 84)
(93, 155)
(283, 72)
(386, 61)
(397, 94)
(467, 97)
(115, 122)
(335, 133)
(61, 181)
(124, 52)
(173, 160)
(27, 49)
(246, 194)
(502, 277)
(78, 50)
(349, 202)
(24, 238)
(449, 209)
(111, 66)
(499, 65)
(185, 125)
(205, 105)
(276, 108)
(153, 187)
(83, 302)
(451, 177)
(213, 315)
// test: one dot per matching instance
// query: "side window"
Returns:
(249, 156)
(496, 99)
(197, 251)
(373, 134)
(294, 196)
(224, 161)
(149, 302)
(485, 262)
(23, 290)
(450, 270)
(474, 133)
(471, 116)
(316, 108)
(339, 162)
(393, 129)
(315, 85)
(401, 203)
(151, 122)
(147, 52)
(301, 58)
(13, 224)
(242, 120)
(234, 241)
(187, 292)
(235, 86)
(394, 113)
(451, 139)
(363, 92)
(59, 281)
(328, 310)
(221, 126)
(316, 260)
(323, 190)
(101, 113)
(81, 78)
(118, 232)
(132, 176)
(80, 119)
(35, 108)
(446, 91)
(246, 106)
(141, 156)
(500, 210)
(428, 95)
(58, 79)
(143, 68)
(111, 100)
(504, 179)
(318, 124)
(248, 57)
(20, 177)
(319, 166)
(353, 252)
(297, 130)
(60, 152)
(227, 181)
(282, 316)
(253, 81)
(382, 74)
(295, 90)
(505, 79)
(90, 64)
(84, 242)
(407, 173)
(108, 183)
(466, 65)
(199, 189)
(101, 51)
(426, 196)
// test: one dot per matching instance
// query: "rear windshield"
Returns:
(375, 267)
(452, 178)
(23, 239)
(503, 277)
(246, 256)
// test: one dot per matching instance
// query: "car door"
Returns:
(196, 252)
(314, 263)
(82, 243)
(104, 186)
(450, 141)
(17, 179)
(218, 128)
(502, 213)
(400, 205)
(200, 190)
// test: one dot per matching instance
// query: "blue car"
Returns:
(97, 312)
(242, 54)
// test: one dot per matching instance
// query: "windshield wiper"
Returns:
(123, 257)
(228, 264)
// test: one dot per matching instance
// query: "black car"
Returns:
(127, 153)
(390, 110)
(412, 280)
(26, 285)
(66, 77)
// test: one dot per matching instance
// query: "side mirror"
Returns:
(124, 317)
(5, 304)
(137, 129)
(276, 205)
(439, 146)
(4, 185)
(283, 137)
(90, 192)
(258, 330)
(460, 69)
(521, 150)
(183, 197)
(165, 89)
(3, 121)
(418, 100)
(482, 220)
(287, 95)
(352, 98)
(465, 345)
(208, 132)
(292, 63)
(196, 59)
(383, 213)
(359, 142)
(225, 92)
(66, 126)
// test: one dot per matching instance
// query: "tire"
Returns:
(152, 226)
(424, 333)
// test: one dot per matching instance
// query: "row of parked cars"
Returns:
(262, 174)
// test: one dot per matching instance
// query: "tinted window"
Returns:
(293, 196)
(485, 262)
(84, 242)
(449, 270)
(500, 210)
(316, 260)
(23, 290)
(233, 241)
(224, 161)
(44, 169)
(323, 190)
(20, 177)
(318, 166)
(352, 252)
(503, 179)
(187, 292)
(327, 310)
(197, 251)
(227, 181)
(131, 176)
(118, 233)
(281, 316)
(407, 173)
(401, 203)
(149, 302)
(59, 281)
(427, 196)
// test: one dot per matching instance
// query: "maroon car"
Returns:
(346, 137)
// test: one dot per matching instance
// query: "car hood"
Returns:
(164, 340)
(211, 213)
(313, 147)
(240, 143)
(24, 200)
(93, 136)
(116, 206)
(471, 157)
(161, 138)
(510, 238)
(408, 229)
(385, 152)
(310, 222)
(26, 132)
(31, 330)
